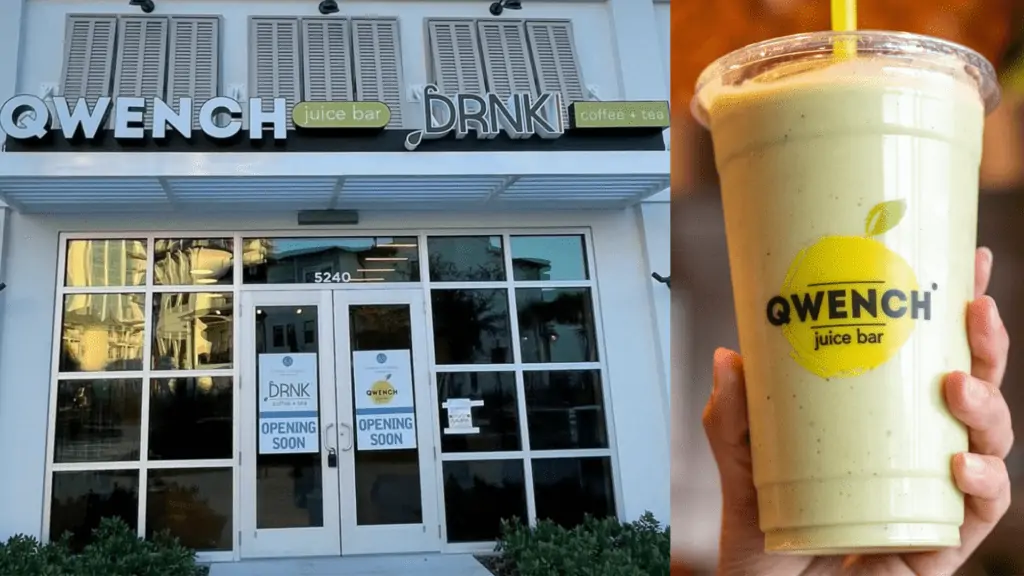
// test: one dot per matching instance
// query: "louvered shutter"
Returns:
(274, 61)
(88, 58)
(142, 60)
(379, 64)
(455, 54)
(506, 57)
(554, 57)
(194, 70)
(327, 60)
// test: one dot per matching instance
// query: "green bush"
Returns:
(603, 547)
(114, 550)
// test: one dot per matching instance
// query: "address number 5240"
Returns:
(331, 277)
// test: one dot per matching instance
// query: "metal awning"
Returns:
(153, 182)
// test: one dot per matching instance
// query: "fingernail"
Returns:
(988, 254)
(973, 464)
(993, 314)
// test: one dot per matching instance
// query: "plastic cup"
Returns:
(850, 192)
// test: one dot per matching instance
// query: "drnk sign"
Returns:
(288, 404)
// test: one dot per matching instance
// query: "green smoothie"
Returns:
(850, 193)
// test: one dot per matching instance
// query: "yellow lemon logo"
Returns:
(382, 391)
(849, 303)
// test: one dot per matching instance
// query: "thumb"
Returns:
(728, 432)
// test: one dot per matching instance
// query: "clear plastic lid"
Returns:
(790, 55)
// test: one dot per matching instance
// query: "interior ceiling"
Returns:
(251, 194)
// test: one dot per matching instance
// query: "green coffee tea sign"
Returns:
(652, 114)
(326, 115)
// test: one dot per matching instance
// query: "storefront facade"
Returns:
(339, 329)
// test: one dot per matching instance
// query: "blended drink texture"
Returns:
(850, 195)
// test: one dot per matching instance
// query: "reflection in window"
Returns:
(566, 489)
(194, 504)
(556, 325)
(551, 258)
(497, 419)
(98, 420)
(190, 418)
(105, 263)
(189, 261)
(465, 258)
(102, 332)
(192, 331)
(564, 410)
(330, 260)
(471, 326)
(80, 499)
(478, 495)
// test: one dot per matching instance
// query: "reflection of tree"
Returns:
(182, 509)
(190, 418)
(97, 420)
(470, 326)
(545, 321)
(81, 512)
(572, 488)
(476, 508)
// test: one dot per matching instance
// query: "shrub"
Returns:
(114, 550)
(604, 547)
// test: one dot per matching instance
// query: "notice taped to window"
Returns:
(385, 413)
(289, 404)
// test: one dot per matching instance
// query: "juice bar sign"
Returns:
(520, 116)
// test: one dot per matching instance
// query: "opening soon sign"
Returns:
(385, 408)
(288, 404)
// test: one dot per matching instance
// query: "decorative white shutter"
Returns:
(554, 57)
(506, 57)
(455, 54)
(327, 60)
(194, 65)
(274, 61)
(379, 64)
(142, 60)
(88, 58)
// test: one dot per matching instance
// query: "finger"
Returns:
(984, 481)
(983, 259)
(989, 341)
(727, 429)
(982, 408)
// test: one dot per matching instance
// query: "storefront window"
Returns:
(534, 393)
(106, 390)
(330, 260)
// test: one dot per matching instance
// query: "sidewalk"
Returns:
(396, 565)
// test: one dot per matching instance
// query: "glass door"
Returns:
(389, 496)
(289, 450)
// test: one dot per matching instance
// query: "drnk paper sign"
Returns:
(289, 404)
(385, 418)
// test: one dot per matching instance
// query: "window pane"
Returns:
(190, 418)
(193, 504)
(193, 331)
(81, 499)
(189, 261)
(478, 495)
(105, 263)
(556, 325)
(330, 260)
(471, 326)
(497, 419)
(102, 332)
(465, 258)
(98, 420)
(289, 487)
(565, 489)
(548, 258)
(564, 410)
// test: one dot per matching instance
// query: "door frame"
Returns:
(282, 542)
(425, 537)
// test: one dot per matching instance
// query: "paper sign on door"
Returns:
(385, 413)
(289, 404)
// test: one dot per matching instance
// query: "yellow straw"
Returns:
(844, 19)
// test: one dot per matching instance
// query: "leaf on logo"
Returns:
(388, 377)
(885, 216)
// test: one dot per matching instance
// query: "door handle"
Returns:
(348, 434)
(327, 437)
